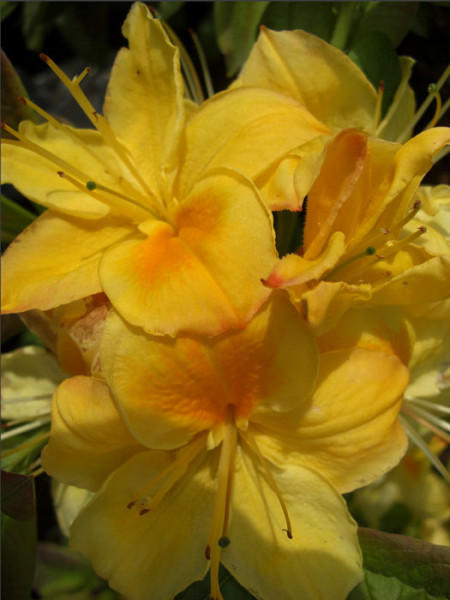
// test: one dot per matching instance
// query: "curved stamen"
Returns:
(420, 443)
(433, 90)
(249, 438)
(377, 115)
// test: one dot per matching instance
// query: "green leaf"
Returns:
(236, 25)
(230, 588)
(375, 55)
(7, 8)
(65, 575)
(13, 111)
(14, 219)
(314, 17)
(394, 19)
(19, 540)
(17, 496)
(168, 9)
(402, 568)
(35, 24)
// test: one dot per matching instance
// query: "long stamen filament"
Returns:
(217, 538)
(437, 113)
(181, 463)
(249, 438)
(432, 423)
(430, 406)
(421, 444)
(97, 120)
(203, 63)
(28, 427)
(428, 100)
(32, 442)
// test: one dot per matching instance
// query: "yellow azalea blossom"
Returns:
(227, 450)
(357, 248)
(129, 214)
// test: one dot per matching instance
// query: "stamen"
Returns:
(369, 251)
(203, 63)
(28, 427)
(429, 99)
(33, 442)
(180, 465)
(377, 115)
(433, 423)
(98, 121)
(430, 406)
(192, 84)
(420, 443)
(432, 89)
(393, 247)
(218, 538)
(78, 79)
(249, 438)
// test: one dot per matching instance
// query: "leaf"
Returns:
(19, 538)
(230, 588)
(402, 568)
(65, 575)
(314, 17)
(168, 9)
(17, 496)
(6, 9)
(13, 111)
(236, 25)
(14, 219)
(375, 55)
(394, 19)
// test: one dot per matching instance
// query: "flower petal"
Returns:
(88, 438)
(169, 390)
(321, 561)
(335, 184)
(144, 100)
(55, 261)
(202, 275)
(158, 554)
(248, 129)
(316, 74)
(350, 434)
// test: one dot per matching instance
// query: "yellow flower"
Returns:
(227, 450)
(361, 244)
(129, 213)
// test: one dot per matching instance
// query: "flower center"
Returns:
(218, 539)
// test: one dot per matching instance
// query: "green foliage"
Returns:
(402, 568)
(236, 26)
(14, 219)
(315, 17)
(19, 537)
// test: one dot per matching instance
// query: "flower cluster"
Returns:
(222, 397)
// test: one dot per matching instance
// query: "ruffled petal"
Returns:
(350, 434)
(55, 261)
(316, 74)
(203, 274)
(294, 270)
(340, 172)
(88, 438)
(169, 390)
(144, 100)
(155, 555)
(321, 561)
(248, 129)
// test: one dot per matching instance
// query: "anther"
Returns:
(60, 173)
(208, 552)
(422, 229)
(44, 57)
(131, 504)
(22, 99)
(144, 511)
(224, 541)
(417, 204)
(288, 533)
